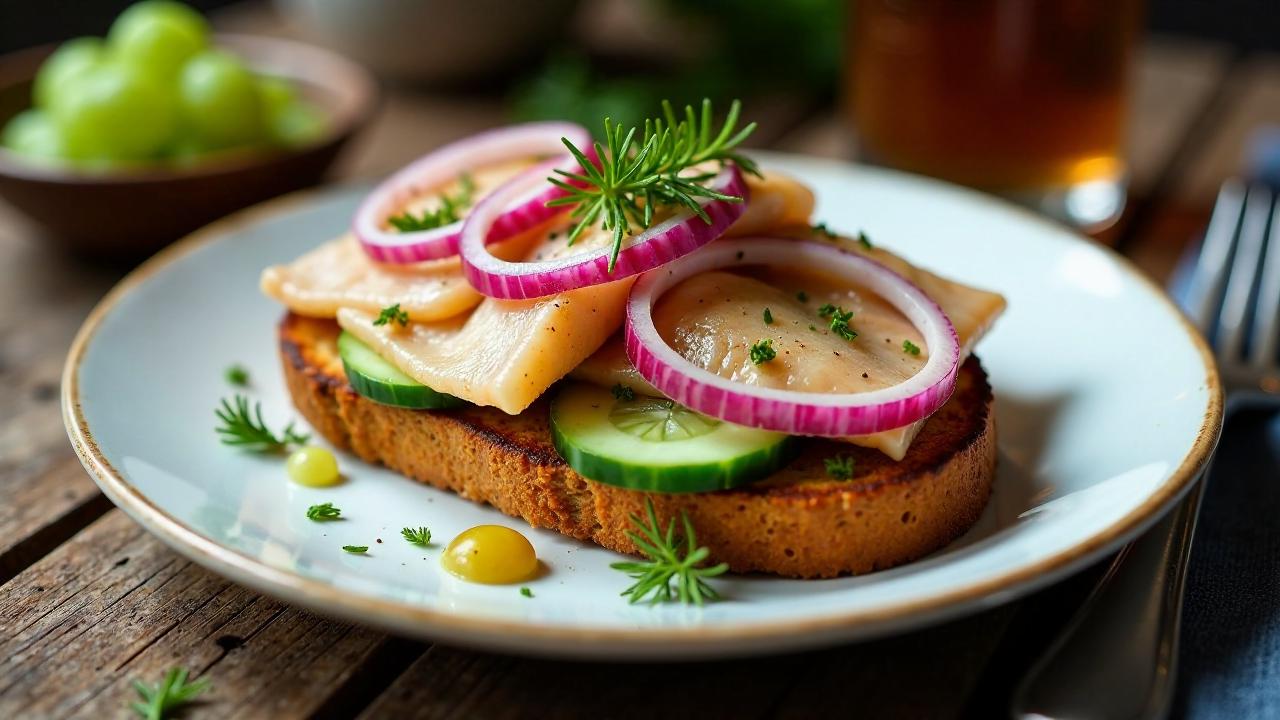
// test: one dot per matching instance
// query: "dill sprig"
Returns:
(420, 536)
(635, 171)
(449, 212)
(672, 559)
(244, 429)
(323, 511)
(392, 314)
(161, 700)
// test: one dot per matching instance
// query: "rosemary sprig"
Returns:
(244, 429)
(450, 210)
(161, 700)
(672, 558)
(635, 171)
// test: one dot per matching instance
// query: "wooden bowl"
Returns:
(131, 213)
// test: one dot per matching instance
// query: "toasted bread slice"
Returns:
(797, 522)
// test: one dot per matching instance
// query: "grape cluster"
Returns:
(154, 91)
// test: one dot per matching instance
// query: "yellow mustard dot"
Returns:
(491, 554)
(313, 466)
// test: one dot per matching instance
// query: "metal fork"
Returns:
(1117, 658)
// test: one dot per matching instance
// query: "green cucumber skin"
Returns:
(743, 470)
(718, 460)
(420, 397)
(406, 393)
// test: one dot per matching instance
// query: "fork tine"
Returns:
(1266, 319)
(1211, 266)
(1244, 270)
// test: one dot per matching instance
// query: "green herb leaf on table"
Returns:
(390, 314)
(526, 592)
(323, 511)
(839, 467)
(163, 699)
(419, 536)
(762, 352)
(248, 431)
(237, 375)
(356, 549)
(672, 558)
(449, 212)
(635, 171)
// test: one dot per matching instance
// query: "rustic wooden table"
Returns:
(89, 601)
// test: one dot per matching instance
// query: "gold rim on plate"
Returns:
(702, 641)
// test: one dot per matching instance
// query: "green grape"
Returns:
(114, 112)
(69, 60)
(276, 94)
(298, 124)
(33, 134)
(158, 36)
(219, 100)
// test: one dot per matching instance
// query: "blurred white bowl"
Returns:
(432, 41)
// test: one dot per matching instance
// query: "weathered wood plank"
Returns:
(43, 511)
(114, 604)
(878, 679)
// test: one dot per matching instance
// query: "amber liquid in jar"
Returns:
(1004, 95)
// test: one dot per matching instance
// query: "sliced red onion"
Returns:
(790, 411)
(679, 235)
(445, 165)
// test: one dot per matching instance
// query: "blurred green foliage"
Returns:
(757, 46)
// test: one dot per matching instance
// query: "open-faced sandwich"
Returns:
(647, 324)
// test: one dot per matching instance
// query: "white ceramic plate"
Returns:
(1107, 407)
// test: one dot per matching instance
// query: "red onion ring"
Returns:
(679, 235)
(790, 411)
(446, 164)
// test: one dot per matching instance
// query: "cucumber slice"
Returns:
(380, 381)
(655, 445)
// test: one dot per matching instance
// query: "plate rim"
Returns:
(621, 643)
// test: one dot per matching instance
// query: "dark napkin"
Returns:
(1229, 663)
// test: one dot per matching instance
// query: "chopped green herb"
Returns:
(237, 375)
(421, 536)
(762, 352)
(802, 296)
(391, 314)
(840, 323)
(247, 430)
(768, 317)
(622, 392)
(839, 467)
(822, 228)
(526, 592)
(827, 310)
(910, 348)
(160, 701)
(638, 169)
(668, 561)
(450, 210)
(324, 511)
(356, 549)
(864, 241)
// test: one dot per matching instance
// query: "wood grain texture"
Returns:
(113, 604)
